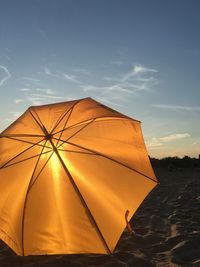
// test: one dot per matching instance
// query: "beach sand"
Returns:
(167, 231)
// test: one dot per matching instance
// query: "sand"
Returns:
(167, 231)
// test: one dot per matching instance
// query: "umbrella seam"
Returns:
(116, 161)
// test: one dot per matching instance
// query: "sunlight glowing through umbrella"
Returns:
(69, 172)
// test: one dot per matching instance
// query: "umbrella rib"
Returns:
(74, 151)
(65, 113)
(61, 132)
(114, 160)
(31, 185)
(61, 118)
(70, 112)
(15, 163)
(25, 150)
(96, 118)
(37, 121)
(24, 141)
(26, 197)
(84, 126)
(20, 135)
(75, 125)
(91, 217)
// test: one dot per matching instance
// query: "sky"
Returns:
(140, 57)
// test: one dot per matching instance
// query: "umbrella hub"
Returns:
(48, 136)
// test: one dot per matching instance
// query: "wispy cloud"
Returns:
(17, 101)
(178, 107)
(47, 91)
(146, 80)
(25, 89)
(38, 96)
(137, 71)
(110, 102)
(173, 137)
(30, 79)
(154, 143)
(157, 142)
(138, 79)
(61, 75)
(113, 88)
(70, 77)
(45, 96)
(6, 75)
(39, 99)
(49, 73)
(105, 89)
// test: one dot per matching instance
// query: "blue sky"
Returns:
(140, 57)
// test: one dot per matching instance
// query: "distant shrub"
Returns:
(172, 163)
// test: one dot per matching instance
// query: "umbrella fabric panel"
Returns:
(56, 222)
(14, 183)
(51, 115)
(25, 124)
(118, 139)
(87, 109)
(14, 149)
(109, 189)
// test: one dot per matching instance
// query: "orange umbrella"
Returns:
(69, 174)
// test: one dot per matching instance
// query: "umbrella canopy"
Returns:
(68, 174)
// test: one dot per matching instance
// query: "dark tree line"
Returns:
(176, 162)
